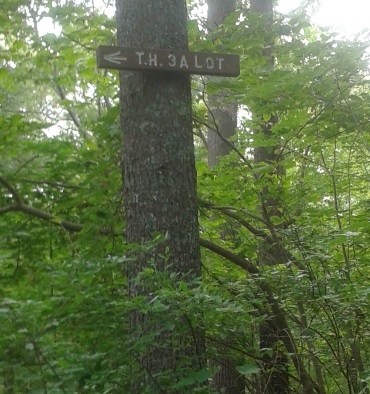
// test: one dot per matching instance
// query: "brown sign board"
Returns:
(120, 58)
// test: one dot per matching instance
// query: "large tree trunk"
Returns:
(223, 116)
(159, 180)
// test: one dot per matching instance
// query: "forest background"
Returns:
(283, 208)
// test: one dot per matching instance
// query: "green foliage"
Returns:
(64, 308)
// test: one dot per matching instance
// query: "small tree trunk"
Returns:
(159, 180)
(275, 377)
(222, 116)
(311, 347)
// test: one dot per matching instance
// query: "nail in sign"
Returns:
(168, 60)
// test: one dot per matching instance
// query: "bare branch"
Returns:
(70, 226)
(215, 130)
(26, 163)
(232, 213)
(107, 102)
(8, 208)
(274, 241)
(62, 94)
(72, 39)
(11, 189)
(245, 264)
(53, 184)
(201, 135)
(21, 207)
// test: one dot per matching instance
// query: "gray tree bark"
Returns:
(274, 377)
(272, 333)
(159, 181)
(223, 116)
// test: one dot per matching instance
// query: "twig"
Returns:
(26, 163)
(215, 130)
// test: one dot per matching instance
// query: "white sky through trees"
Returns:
(347, 18)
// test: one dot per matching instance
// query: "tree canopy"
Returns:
(64, 305)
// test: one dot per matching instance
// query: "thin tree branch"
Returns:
(273, 241)
(245, 264)
(201, 135)
(72, 39)
(21, 207)
(11, 189)
(26, 163)
(70, 226)
(8, 208)
(53, 184)
(336, 207)
(62, 94)
(215, 130)
(232, 213)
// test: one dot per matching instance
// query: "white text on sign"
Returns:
(180, 61)
(168, 60)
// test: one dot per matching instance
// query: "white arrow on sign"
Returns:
(115, 58)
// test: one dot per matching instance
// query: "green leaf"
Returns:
(49, 38)
(184, 383)
(202, 376)
(247, 369)
(56, 221)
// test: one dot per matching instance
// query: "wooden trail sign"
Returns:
(168, 60)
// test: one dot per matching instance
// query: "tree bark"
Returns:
(159, 181)
(223, 116)
(275, 377)
(224, 119)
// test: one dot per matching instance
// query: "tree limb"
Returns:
(274, 241)
(20, 206)
(70, 226)
(62, 94)
(76, 227)
(245, 264)
(232, 146)
(8, 208)
(201, 135)
(11, 189)
(232, 213)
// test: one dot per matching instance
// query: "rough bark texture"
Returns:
(159, 180)
(228, 380)
(223, 116)
(218, 10)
